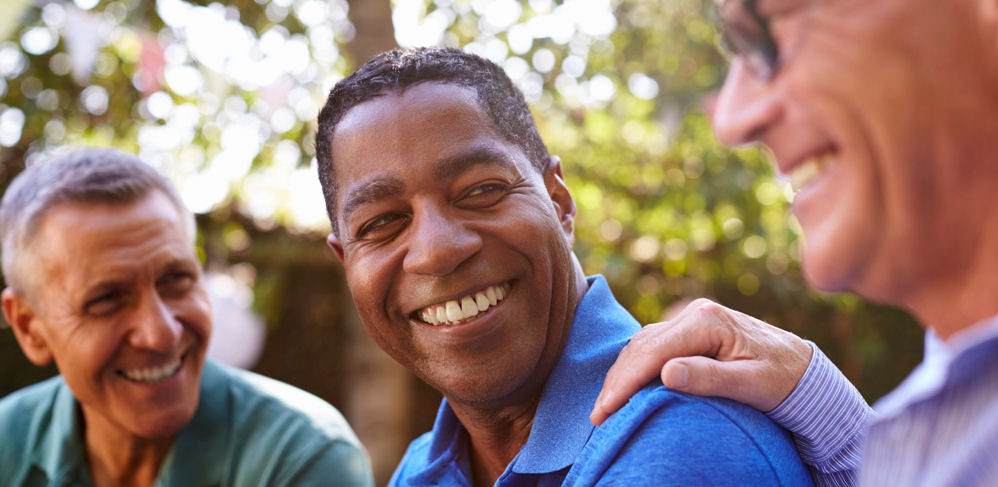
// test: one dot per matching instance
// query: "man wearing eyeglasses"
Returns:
(884, 114)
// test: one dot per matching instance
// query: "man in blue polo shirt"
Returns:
(103, 279)
(455, 226)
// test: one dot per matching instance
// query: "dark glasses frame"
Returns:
(745, 33)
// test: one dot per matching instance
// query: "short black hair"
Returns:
(399, 69)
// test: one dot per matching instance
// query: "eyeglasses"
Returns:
(745, 33)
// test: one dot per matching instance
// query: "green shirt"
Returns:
(248, 430)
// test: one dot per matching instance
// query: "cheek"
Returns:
(362, 280)
(369, 289)
(83, 357)
(198, 310)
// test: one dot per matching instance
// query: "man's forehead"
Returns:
(150, 221)
(393, 106)
(440, 121)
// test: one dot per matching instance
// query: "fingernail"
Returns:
(679, 376)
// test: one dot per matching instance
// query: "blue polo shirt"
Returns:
(659, 437)
(247, 430)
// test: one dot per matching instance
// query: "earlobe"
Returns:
(554, 180)
(24, 323)
(334, 243)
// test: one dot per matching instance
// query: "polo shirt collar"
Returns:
(561, 426)
(194, 459)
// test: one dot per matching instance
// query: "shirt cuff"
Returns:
(827, 416)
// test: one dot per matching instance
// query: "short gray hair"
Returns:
(82, 175)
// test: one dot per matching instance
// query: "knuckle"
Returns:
(646, 344)
(707, 307)
(648, 331)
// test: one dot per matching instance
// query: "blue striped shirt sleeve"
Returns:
(828, 418)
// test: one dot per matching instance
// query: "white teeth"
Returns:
(429, 316)
(467, 307)
(454, 311)
(154, 374)
(809, 170)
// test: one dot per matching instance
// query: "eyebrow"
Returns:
(377, 188)
(452, 166)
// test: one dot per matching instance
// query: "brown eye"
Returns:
(106, 303)
(382, 226)
(483, 195)
(175, 283)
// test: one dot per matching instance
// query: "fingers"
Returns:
(708, 350)
(642, 360)
(703, 376)
(633, 369)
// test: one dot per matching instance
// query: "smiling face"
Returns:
(879, 124)
(121, 309)
(457, 251)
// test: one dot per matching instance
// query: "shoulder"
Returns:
(258, 395)
(27, 401)
(690, 439)
(25, 411)
(273, 420)
(26, 415)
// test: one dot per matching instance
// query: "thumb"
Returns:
(703, 376)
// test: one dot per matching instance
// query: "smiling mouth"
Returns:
(810, 169)
(460, 310)
(150, 375)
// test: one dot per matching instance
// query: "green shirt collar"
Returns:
(194, 459)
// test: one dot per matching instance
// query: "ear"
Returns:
(564, 204)
(334, 243)
(25, 324)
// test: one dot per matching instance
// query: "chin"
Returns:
(165, 426)
(827, 278)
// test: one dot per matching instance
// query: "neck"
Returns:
(495, 437)
(961, 289)
(119, 458)
(497, 433)
(966, 295)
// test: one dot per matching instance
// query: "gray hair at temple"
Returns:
(85, 175)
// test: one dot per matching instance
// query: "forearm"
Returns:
(828, 418)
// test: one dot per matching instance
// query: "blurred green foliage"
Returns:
(666, 213)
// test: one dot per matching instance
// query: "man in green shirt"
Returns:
(103, 279)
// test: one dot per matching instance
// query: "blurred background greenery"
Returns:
(222, 98)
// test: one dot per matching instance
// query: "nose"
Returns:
(155, 328)
(439, 241)
(746, 107)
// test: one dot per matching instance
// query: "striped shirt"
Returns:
(939, 427)
(828, 418)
